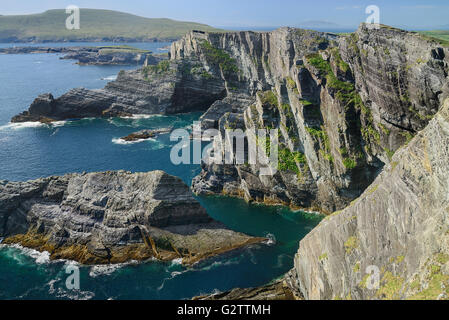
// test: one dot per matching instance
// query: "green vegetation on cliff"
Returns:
(219, 57)
(95, 25)
(161, 68)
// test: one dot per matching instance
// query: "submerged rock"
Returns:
(112, 217)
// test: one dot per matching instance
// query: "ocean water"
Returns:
(29, 151)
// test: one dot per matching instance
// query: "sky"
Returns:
(259, 13)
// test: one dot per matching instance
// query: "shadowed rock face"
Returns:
(400, 225)
(112, 217)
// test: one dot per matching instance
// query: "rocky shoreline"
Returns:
(102, 55)
(113, 217)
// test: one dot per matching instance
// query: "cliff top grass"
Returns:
(219, 57)
(162, 67)
(95, 25)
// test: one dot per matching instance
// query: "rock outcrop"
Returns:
(144, 134)
(399, 227)
(165, 88)
(112, 217)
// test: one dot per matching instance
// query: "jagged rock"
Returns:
(112, 217)
(400, 225)
(144, 134)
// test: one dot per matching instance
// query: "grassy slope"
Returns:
(95, 24)
(441, 35)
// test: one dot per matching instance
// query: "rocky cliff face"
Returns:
(400, 225)
(112, 217)
(343, 106)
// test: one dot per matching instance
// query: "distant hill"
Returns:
(96, 25)
(442, 35)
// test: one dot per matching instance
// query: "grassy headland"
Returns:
(96, 25)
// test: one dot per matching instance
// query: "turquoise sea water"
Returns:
(31, 151)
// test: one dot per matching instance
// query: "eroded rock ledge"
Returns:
(113, 217)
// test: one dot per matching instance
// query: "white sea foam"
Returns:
(123, 142)
(24, 125)
(96, 271)
(217, 264)
(110, 78)
(172, 276)
(176, 262)
(106, 270)
(58, 124)
(143, 116)
(271, 239)
(39, 257)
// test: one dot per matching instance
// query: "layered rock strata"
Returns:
(398, 230)
(112, 217)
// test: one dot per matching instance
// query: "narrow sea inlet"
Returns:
(29, 151)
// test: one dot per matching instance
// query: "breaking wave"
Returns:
(106, 270)
(110, 78)
(17, 253)
(24, 125)
(123, 142)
